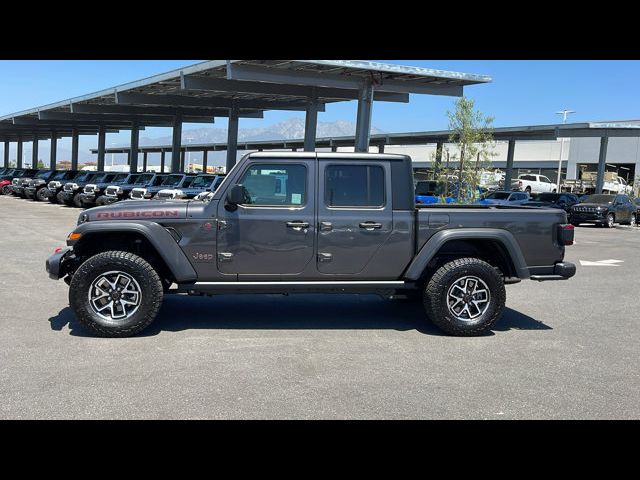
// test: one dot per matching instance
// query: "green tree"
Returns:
(40, 164)
(471, 133)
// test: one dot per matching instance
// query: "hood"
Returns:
(139, 210)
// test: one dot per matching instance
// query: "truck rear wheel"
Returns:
(465, 297)
(115, 294)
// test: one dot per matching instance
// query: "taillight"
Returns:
(566, 234)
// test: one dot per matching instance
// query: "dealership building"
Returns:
(579, 154)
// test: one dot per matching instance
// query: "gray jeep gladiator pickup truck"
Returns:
(308, 222)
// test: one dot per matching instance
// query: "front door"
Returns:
(273, 232)
(355, 215)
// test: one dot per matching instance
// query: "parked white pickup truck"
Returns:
(533, 183)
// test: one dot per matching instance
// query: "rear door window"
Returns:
(354, 186)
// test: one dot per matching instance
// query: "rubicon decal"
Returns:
(143, 213)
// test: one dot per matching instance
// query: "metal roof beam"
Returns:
(316, 79)
(134, 110)
(192, 82)
(184, 101)
(109, 118)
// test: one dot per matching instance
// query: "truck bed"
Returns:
(534, 228)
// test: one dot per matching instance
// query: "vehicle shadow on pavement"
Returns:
(295, 312)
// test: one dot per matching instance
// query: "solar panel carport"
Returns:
(603, 130)
(226, 88)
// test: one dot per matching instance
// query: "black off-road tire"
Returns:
(131, 264)
(435, 296)
(6, 190)
(41, 195)
(100, 201)
(77, 201)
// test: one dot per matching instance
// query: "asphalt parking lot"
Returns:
(563, 350)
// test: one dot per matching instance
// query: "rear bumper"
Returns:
(559, 271)
(55, 262)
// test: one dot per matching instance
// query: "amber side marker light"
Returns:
(74, 236)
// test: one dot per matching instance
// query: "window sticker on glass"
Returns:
(296, 198)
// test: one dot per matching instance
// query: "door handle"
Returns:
(326, 226)
(370, 225)
(297, 226)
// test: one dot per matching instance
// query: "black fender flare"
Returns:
(433, 245)
(164, 243)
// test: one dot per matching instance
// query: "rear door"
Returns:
(355, 215)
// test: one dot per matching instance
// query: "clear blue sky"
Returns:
(522, 92)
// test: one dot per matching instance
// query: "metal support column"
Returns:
(162, 161)
(604, 144)
(176, 143)
(19, 153)
(232, 138)
(363, 122)
(334, 148)
(135, 138)
(144, 162)
(53, 152)
(509, 174)
(182, 155)
(74, 149)
(6, 154)
(34, 151)
(102, 140)
(311, 124)
(381, 148)
(205, 158)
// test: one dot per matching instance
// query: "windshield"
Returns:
(60, 175)
(100, 177)
(172, 180)
(146, 178)
(133, 179)
(547, 197)
(120, 177)
(202, 182)
(81, 177)
(603, 199)
(498, 196)
(44, 174)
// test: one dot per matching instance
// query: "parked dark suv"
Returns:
(603, 209)
(554, 200)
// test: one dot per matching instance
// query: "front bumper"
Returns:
(54, 264)
(88, 198)
(30, 191)
(109, 199)
(17, 190)
(559, 271)
(67, 195)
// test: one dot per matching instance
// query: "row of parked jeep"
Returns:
(85, 188)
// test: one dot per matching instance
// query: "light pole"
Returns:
(188, 152)
(564, 114)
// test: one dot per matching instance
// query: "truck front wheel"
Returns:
(115, 294)
(465, 297)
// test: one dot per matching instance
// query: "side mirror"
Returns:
(236, 196)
